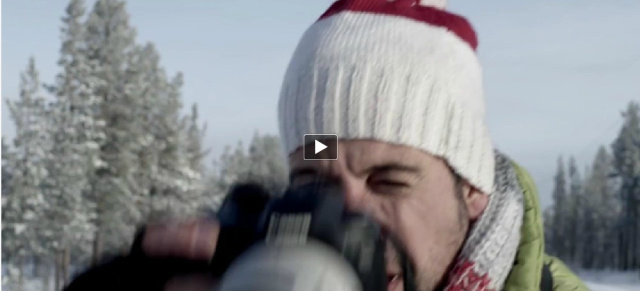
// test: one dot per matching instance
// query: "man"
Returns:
(401, 85)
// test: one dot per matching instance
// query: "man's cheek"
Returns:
(401, 221)
(383, 213)
(416, 229)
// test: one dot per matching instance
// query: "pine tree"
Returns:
(115, 192)
(176, 186)
(169, 170)
(147, 81)
(193, 152)
(23, 210)
(601, 210)
(231, 167)
(7, 170)
(559, 236)
(548, 225)
(267, 163)
(194, 136)
(626, 157)
(263, 163)
(108, 150)
(575, 222)
(147, 170)
(76, 133)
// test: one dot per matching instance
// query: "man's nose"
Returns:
(354, 195)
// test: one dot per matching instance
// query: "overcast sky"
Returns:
(557, 73)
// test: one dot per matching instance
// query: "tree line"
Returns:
(594, 222)
(105, 148)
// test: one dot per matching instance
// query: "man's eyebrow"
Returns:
(394, 166)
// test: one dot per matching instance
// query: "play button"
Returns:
(320, 146)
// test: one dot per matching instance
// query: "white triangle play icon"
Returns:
(319, 146)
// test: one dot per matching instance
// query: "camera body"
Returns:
(308, 232)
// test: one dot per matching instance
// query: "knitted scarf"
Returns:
(489, 252)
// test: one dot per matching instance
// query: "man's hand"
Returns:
(186, 255)
(195, 240)
(172, 256)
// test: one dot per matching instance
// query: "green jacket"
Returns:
(526, 274)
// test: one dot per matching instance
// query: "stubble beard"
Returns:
(431, 276)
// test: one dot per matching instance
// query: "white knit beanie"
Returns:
(404, 72)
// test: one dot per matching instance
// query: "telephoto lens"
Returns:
(312, 266)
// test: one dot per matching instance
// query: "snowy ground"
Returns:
(611, 281)
(29, 285)
(597, 281)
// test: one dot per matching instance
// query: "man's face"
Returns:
(413, 195)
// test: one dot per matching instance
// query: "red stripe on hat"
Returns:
(409, 9)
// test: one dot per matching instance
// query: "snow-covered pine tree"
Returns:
(231, 167)
(7, 170)
(194, 137)
(115, 193)
(76, 134)
(589, 235)
(547, 223)
(263, 163)
(602, 208)
(576, 226)
(169, 146)
(626, 159)
(8, 164)
(147, 81)
(267, 163)
(176, 187)
(24, 209)
(195, 133)
(559, 225)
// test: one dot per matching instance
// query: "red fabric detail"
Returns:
(409, 9)
(464, 278)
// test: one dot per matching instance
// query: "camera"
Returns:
(306, 239)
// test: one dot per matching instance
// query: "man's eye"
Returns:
(389, 183)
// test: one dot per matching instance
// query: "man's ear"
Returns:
(475, 201)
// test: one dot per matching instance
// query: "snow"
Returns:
(602, 287)
(611, 281)
(29, 285)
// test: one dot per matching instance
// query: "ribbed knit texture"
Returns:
(493, 240)
(392, 79)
